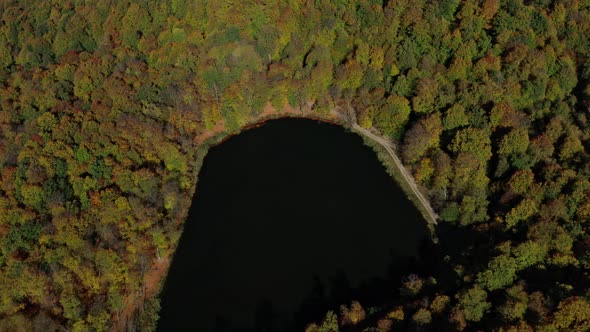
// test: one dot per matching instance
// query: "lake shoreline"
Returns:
(155, 277)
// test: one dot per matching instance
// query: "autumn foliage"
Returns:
(100, 107)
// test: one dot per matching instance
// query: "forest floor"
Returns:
(151, 287)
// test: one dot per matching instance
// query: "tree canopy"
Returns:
(104, 109)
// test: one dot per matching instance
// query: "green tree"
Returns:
(425, 134)
(523, 211)
(328, 324)
(476, 141)
(501, 272)
(393, 116)
(572, 314)
(473, 303)
(455, 117)
(515, 305)
(515, 141)
(528, 254)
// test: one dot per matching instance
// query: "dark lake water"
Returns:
(288, 220)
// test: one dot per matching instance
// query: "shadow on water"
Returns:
(289, 220)
(325, 296)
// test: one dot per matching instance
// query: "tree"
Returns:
(523, 211)
(349, 76)
(329, 324)
(424, 171)
(352, 315)
(489, 9)
(133, 25)
(412, 285)
(422, 317)
(501, 272)
(540, 148)
(455, 117)
(422, 136)
(572, 314)
(515, 141)
(425, 99)
(473, 140)
(393, 116)
(521, 181)
(440, 303)
(504, 115)
(528, 254)
(16, 323)
(473, 303)
(516, 303)
(571, 145)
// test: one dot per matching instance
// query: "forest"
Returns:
(102, 104)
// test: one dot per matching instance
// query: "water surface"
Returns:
(288, 219)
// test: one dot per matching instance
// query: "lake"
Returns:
(289, 220)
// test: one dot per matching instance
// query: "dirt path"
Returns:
(151, 282)
(348, 116)
(404, 172)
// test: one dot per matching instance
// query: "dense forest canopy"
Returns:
(102, 104)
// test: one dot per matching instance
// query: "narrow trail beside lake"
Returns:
(350, 118)
(404, 172)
